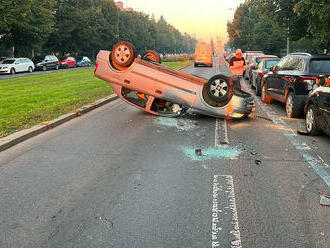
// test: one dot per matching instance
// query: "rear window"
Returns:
(271, 63)
(320, 65)
(8, 61)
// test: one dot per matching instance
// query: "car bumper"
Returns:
(4, 71)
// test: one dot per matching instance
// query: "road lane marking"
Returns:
(221, 133)
(316, 164)
(224, 211)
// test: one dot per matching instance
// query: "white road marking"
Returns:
(316, 164)
(224, 211)
(221, 133)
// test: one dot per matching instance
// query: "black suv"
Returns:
(317, 109)
(46, 62)
(292, 79)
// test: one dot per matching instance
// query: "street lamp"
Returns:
(287, 19)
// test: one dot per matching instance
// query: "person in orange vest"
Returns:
(237, 65)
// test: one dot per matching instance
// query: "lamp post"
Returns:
(287, 19)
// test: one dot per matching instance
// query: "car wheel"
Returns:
(12, 71)
(258, 86)
(220, 88)
(153, 56)
(44, 68)
(292, 110)
(264, 96)
(123, 54)
(30, 69)
(310, 120)
(250, 83)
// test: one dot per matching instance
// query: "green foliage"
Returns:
(83, 27)
(25, 24)
(265, 25)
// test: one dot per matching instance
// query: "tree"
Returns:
(25, 24)
(317, 14)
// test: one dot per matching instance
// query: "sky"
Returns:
(204, 18)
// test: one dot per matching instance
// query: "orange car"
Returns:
(203, 54)
(160, 90)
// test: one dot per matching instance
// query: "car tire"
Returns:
(12, 71)
(30, 69)
(258, 86)
(264, 95)
(310, 120)
(220, 88)
(291, 106)
(250, 83)
(44, 68)
(152, 56)
(123, 54)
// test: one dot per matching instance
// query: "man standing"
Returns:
(237, 65)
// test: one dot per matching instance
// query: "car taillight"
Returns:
(263, 74)
(96, 66)
(310, 81)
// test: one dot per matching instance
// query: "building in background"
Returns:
(120, 5)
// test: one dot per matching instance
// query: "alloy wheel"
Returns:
(219, 88)
(289, 105)
(309, 120)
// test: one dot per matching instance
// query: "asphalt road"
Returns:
(119, 177)
(26, 74)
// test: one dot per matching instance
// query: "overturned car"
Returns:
(146, 84)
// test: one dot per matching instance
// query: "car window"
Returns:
(320, 65)
(293, 63)
(271, 63)
(49, 58)
(8, 61)
(281, 63)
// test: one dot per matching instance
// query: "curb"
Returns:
(184, 67)
(25, 134)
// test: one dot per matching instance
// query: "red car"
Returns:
(67, 62)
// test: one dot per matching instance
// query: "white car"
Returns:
(13, 65)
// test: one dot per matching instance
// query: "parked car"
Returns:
(262, 69)
(248, 55)
(160, 90)
(14, 65)
(317, 108)
(67, 62)
(254, 61)
(203, 54)
(47, 62)
(292, 79)
(83, 61)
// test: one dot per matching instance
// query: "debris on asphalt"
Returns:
(258, 161)
(301, 132)
(325, 200)
(253, 153)
(246, 175)
(322, 234)
(198, 152)
(78, 113)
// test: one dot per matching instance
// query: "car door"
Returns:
(324, 105)
(273, 77)
(256, 73)
(20, 65)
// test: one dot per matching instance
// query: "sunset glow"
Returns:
(204, 18)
